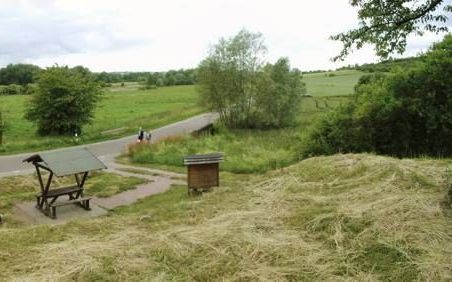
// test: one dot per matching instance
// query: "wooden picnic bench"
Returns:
(47, 202)
(77, 161)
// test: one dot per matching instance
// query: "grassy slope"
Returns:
(342, 83)
(128, 109)
(343, 217)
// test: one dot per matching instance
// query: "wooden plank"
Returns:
(203, 176)
(68, 202)
(62, 191)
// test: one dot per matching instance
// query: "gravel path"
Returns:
(158, 182)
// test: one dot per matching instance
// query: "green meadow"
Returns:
(120, 113)
(334, 83)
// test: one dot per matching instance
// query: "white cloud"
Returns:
(116, 35)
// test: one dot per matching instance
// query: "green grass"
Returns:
(343, 217)
(124, 110)
(246, 151)
(336, 83)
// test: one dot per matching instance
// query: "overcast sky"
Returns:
(147, 35)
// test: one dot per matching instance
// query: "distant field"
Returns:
(336, 83)
(120, 113)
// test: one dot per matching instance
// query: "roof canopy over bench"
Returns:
(77, 161)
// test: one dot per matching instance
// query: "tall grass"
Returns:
(246, 151)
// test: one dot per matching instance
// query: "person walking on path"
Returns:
(147, 137)
(140, 135)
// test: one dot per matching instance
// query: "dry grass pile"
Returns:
(358, 217)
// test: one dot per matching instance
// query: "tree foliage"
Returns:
(408, 113)
(235, 81)
(387, 23)
(279, 92)
(387, 65)
(21, 74)
(168, 78)
(64, 101)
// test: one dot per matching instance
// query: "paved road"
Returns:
(12, 165)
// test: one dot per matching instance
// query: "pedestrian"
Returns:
(140, 135)
(148, 137)
(76, 136)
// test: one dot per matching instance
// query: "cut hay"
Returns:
(345, 217)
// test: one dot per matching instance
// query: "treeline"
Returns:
(168, 78)
(387, 65)
(20, 74)
(17, 76)
(18, 79)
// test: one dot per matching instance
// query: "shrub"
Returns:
(11, 89)
(247, 93)
(29, 89)
(64, 101)
(406, 114)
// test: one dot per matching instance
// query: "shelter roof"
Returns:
(67, 161)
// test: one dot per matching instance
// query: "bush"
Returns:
(406, 114)
(64, 101)
(11, 89)
(247, 93)
(29, 89)
(279, 92)
(14, 89)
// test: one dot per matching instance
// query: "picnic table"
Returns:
(77, 161)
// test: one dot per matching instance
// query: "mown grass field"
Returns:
(335, 83)
(121, 112)
(343, 217)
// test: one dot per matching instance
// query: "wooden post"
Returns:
(2, 128)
